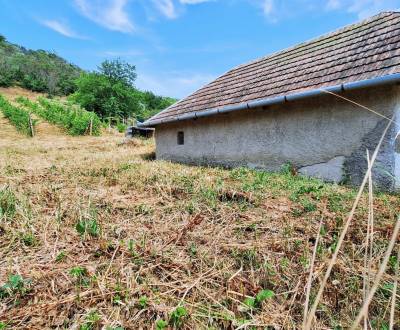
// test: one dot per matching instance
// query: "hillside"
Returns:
(94, 234)
(46, 72)
(36, 70)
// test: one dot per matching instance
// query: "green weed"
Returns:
(91, 320)
(177, 316)
(143, 301)
(81, 276)
(8, 204)
(121, 127)
(256, 302)
(28, 239)
(161, 325)
(61, 256)
(15, 285)
(88, 225)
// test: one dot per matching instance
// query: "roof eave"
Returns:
(373, 82)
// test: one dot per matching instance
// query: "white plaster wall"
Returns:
(304, 133)
(397, 144)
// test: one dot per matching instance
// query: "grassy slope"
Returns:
(205, 238)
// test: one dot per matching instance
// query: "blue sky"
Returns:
(176, 45)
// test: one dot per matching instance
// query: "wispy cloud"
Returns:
(172, 8)
(61, 28)
(110, 14)
(194, 2)
(166, 8)
(363, 8)
(268, 6)
(113, 14)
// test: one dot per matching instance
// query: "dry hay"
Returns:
(171, 235)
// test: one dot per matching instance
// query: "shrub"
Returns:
(121, 127)
(20, 118)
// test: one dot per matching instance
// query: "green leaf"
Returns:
(161, 325)
(143, 302)
(263, 295)
(250, 302)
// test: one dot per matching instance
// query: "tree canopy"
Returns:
(110, 92)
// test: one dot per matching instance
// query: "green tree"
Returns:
(106, 97)
(152, 104)
(119, 71)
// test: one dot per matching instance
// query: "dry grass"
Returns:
(13, 92)
(162, 235)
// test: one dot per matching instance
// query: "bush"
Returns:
(74, 119)
(121, 127)
(20, 118)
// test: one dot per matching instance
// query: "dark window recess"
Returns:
(181, 138)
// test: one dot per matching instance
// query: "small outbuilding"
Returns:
(280, 109)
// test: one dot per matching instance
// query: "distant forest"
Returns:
(109, 91)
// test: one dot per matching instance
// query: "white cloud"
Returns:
(268, 6)
(166, 8)
(363, 8)
(193, 2)
(333, 4)
(108, 13)
(170, 8)
(275, 10)
(61, 28)
(173, 83)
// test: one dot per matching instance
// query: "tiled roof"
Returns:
(361, 51)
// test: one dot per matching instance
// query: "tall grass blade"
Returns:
(345, 229)
(364, 309)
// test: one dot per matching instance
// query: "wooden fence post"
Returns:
(31, 126)
(91, 126)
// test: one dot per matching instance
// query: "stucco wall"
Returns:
(396, 142)
(322, 136)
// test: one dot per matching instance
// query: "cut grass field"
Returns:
(95, 234)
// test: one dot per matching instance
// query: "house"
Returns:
(279, 109)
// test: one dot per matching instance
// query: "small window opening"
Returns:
(181, 138)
